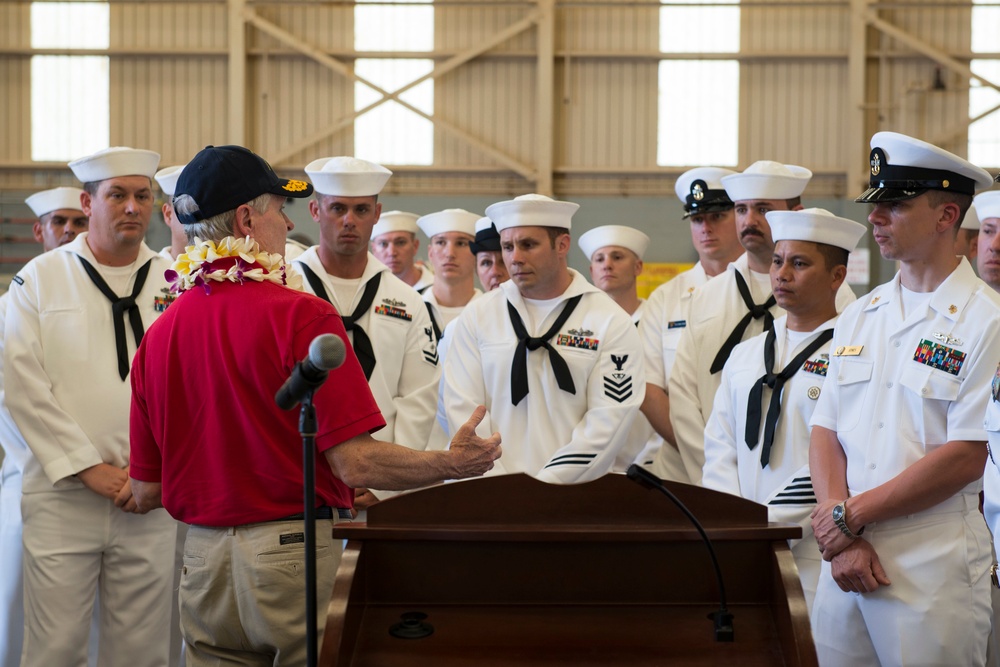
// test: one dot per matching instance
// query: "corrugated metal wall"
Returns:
(169, 88)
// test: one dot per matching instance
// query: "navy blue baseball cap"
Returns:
(222, 178)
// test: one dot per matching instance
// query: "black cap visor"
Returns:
(711, 207)
(876, 195)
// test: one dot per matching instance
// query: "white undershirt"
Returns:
(345, 292)
(118, 278)
(536, 312)
(793, 339)
(911, 301)
(760, 286)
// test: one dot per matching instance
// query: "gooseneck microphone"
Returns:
(723, 618)
(326, 352)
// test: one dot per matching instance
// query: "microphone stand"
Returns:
(307, 427)
(723, 618)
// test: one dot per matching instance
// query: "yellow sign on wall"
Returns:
(655, 274)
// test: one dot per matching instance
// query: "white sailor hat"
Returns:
(903, 167)
(817, 225)
(971, 219)
(987, 205)
(701, 190)
(167, 178)
(55, 199)
(613, 235)
(114, 162)
(347, 176)
(532, 211)
(395, 221)
(487, 237)
(765, 179)
(448, 220)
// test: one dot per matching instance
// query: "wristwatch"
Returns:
(840, 518)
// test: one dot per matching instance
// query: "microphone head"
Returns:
(327, 352)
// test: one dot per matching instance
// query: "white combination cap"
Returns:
(701, 190)
(114, 162)
(765, 179)
(347, 176)
(532, 211)
(448, 220)
(987, 205)
(395, 221)
(613, 235)
(902, 167)
(971, 219)
(55, 199)
(817, 225)
(167, 178)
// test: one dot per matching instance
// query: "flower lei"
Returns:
(208, 261)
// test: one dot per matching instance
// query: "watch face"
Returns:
(838, 512)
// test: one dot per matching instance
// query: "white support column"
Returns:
(237, 73)
(545, 126)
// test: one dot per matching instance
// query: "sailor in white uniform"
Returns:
(757, 439)
(556, 362)
(74, 319)
(395, 244)
(60, 219)
(386, 320)
(987, 209)
(898, 448)
(988, 245)
(732, 307)
(713, 235)
(967, 241)
(489, 260)
(166, 178)
(451, 232)
(615, 253)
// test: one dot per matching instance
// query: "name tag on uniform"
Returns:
(848, 350)
(677, 324)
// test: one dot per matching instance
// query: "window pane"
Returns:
(695, 133)
(985, 27)
(70, 25)
(984, 135)
(394, 28)
(390, 133)
(69, 106)
(699, 29)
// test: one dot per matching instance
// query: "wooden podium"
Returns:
(512, 571)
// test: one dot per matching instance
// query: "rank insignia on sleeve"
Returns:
(167, 297)
(393, 311)
(431, 353)
(677, 324)
(579, 342)
(618, 386)
(943, 358)
(995, 387)
(816, 366)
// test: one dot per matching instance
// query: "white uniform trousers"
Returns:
(77, 543)
(11, 590)
(808, 561)
(937, 609)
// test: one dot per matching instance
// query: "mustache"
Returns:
(751, 232)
